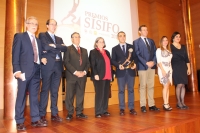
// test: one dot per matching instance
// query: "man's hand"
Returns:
(44, 61)
(134, 66)
(96, 77)
(52, 45)
(121, 67)
(150, 64)
(18, 75)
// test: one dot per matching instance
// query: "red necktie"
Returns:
(34, 49)
(79, 51)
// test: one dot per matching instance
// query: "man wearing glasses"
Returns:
(26, 61)
(77, 64)
(52, 71)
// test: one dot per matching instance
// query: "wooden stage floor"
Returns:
(175, 121)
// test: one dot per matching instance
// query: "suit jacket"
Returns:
(72, 63)
(23, 55)
(143, 54)
(118, 58)
(97, 63)
(50, 52)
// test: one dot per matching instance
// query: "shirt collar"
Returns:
(75, 45)
(30, 34)
(51, 34)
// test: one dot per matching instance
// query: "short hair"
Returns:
(97, 40)
(140, 28)
(173, 36)
(31, 17)
(121, 32)
(74, 33)
(48, 21)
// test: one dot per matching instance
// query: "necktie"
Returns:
(34, 49)
(123, 48)
(53, 37)
(148, 47)
(79, 51)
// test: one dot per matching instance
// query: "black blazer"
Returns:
(23, 55)
(72, 64)
(50, 52)
(118, 58)
(97, 63)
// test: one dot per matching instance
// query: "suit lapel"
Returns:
(49, 37)
(127, 48)
(120, 49)
(76, 49)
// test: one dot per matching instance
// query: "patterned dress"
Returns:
(164, 57)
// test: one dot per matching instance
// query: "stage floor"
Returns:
(175, 121)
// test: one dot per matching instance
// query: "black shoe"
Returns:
(143, 109)
(167, 109)
(185, 106)
(180, 107)
(21, 127)
(82, 116)
(154, 108)
(56, 118)
(133, 112)
(69, 117)
(121, 112)
(98, 116)
(106, 114)
(38, 123)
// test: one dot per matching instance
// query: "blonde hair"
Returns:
(31, 17)
(161, 44)
(97, 40)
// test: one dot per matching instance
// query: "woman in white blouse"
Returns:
(164, 56)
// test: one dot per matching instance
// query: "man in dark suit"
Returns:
(146, 52)
(52, 71)
(26, 55)
(77, 64)
(122, 55)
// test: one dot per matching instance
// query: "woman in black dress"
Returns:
(180, 67)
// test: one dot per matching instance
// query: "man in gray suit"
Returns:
(77, 64)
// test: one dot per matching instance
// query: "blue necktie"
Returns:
(53, 37)
(123, 48)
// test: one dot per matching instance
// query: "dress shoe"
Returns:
(133, 112)
(180, 107)
(143, 109)
(69, 117)
(81, 115)
(121, 112)
(106, 114)
(56, 118)
(21, 127)
(98, 116)
(38, 123)
(43, 119)
(167, 108)
(154, 108)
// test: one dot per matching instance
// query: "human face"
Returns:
(177, 38)
(52, 26)
(165, 42)
(32, 25)
(100, 44)
(144, 32)
(122, 38)
(76, 39)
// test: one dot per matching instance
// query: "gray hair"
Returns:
(31, 17)
(97, 40)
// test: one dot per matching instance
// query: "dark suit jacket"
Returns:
(97, 63)
(142, 53)
(118, 58)
(50, 51)
(72, 64)
(22, 53)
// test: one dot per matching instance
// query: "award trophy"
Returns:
(128, 64)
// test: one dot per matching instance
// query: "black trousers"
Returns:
(32, 84)
(75, 88)
(101, 95)
(50, 82)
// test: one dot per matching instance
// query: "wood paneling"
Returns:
(2, 36)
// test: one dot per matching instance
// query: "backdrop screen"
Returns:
(94, 18)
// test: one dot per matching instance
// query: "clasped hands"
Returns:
(150, 64)
(80, 74)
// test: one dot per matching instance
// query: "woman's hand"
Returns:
(188, 71)
(163, 73)
(96, 77)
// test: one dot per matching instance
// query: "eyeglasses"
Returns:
(33, 24)
(76, 37)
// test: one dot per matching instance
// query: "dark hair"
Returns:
(121, 32)
(74, 33)
(173, 35)
(140, 28)
(48, 21)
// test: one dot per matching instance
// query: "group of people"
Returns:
(34, 59)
